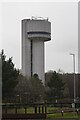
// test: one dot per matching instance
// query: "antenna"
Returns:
(39, 18)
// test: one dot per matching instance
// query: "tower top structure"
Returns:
(38, 29)
(39, 18)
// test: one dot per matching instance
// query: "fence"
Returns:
(28, 111)
(36, 111)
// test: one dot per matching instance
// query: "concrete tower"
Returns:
(34, 33)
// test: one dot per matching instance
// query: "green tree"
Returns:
(22, 90)
(29, 90)
(9, 76)
(37, 88)
(55, 87)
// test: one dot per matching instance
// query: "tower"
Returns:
(34, 33)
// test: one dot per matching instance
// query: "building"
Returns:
(35, 32)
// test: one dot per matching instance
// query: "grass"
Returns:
(28, 110)
(20, 110)
(51, 109)
(66, 115)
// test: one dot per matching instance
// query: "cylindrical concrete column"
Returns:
(38, 59)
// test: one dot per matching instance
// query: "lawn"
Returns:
(20, 110)
(65, 115)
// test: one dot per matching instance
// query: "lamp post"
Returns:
(74, 78)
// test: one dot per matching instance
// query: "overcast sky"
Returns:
(64, 31)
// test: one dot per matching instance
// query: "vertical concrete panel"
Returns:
(26, 51)
(23, 47)
(38, 58)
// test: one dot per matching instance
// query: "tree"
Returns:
(37, 88)
(9, 76)
(56, 87)
(29, 90)
(22, 90)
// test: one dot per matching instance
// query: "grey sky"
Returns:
(64, 31)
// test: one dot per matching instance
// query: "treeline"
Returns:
(68, 79)
(17, 88)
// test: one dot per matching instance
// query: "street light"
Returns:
(74, 78)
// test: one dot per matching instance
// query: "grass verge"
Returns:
(65, 115)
